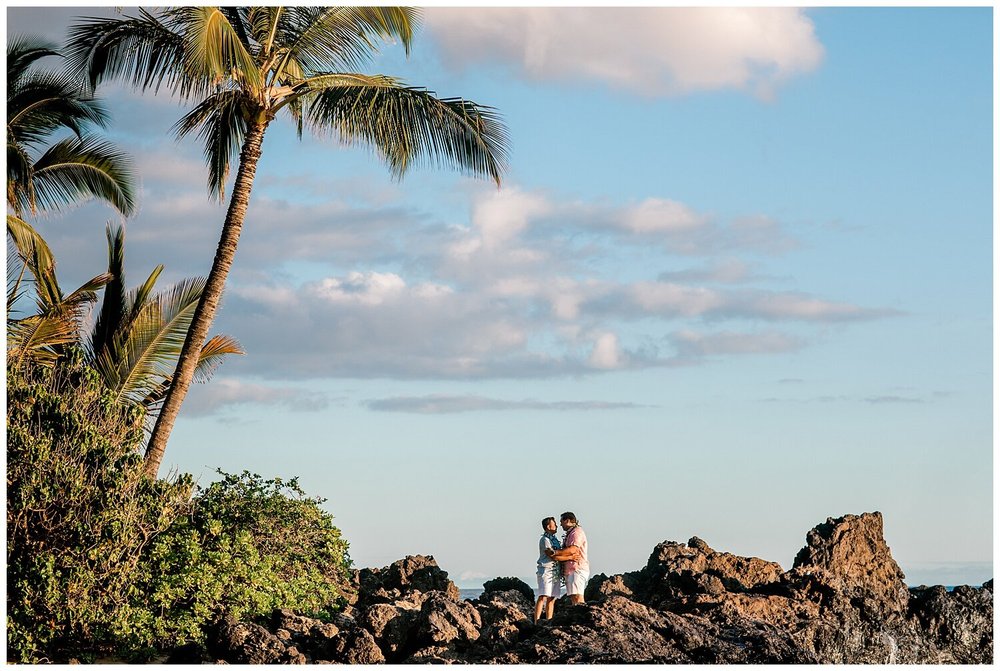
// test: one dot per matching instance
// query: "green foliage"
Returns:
(80, 513)
(44, 172)
(249, 546)
(102, 559)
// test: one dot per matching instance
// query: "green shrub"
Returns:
(248, 546)
(80, 515)
(101, 560)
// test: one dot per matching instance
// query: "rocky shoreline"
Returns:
(843, 601)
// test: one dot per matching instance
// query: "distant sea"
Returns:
(474, 592)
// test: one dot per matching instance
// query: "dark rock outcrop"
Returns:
(413, 573)
(504, 584)
(843, 601)
(958, 624)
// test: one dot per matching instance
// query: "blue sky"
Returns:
(737, 280)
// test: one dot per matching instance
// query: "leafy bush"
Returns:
(100, 559)
(248, 546)
(80, 514)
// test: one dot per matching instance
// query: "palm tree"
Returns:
(41, 337)
(138, 335)
(243, 65)
(47, 175)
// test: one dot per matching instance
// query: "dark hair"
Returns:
(568, 516)
(545, 522)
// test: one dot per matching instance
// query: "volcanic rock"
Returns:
(504, 584)
(416, 572)
(959, 624)
(505, 617)
(843, 601)
(247, 643)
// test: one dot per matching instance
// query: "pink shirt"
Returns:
(577, 537)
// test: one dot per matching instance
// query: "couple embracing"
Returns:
(559, 561)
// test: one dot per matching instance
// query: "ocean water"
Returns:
(474, 592)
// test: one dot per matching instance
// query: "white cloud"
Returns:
(727, 271)
(649, 50)
(657, 215)
(671, 299)
(439, 404)
(606, 353)
(694, 344)
(222, 393)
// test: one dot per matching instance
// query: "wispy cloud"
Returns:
(695, 344)
(886, 399)
(877, 400)
(443, 404)
(648, 51)
(228, 393)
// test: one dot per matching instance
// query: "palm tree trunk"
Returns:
(205, 312)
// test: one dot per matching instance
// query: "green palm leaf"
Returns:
(318, 38)
(409, 125)
(214, 49)
(150, 347)
(220, 121)
(75, 169)
(37, 258)
(141, 51)
(39, 337)
(39, 105)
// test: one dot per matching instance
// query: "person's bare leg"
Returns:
(576, 599)
(551, 607)
(539, 605)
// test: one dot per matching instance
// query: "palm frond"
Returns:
(136, 298)
(38, 337)
(36, 256)
(42, 336)
(408, 125)
(318, 38)
(43, 103)
(212, 354)
(141, 51)
(258, 22)
(113, 307)
(15, 276)
(221, 124)
(86, 292)
(214, 48)
(79, 168)
(154, 340)
(237, 17)
(22, 52)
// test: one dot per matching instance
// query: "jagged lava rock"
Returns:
(414, 572)
(843, 601)
(505, 617)
(504, 584)
(851, 555)
(959, 623)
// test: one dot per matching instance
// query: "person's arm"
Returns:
(569, 553)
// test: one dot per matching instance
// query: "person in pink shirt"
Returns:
(573, 554)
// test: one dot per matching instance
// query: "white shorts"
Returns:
(576, 582)
(548, 584)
